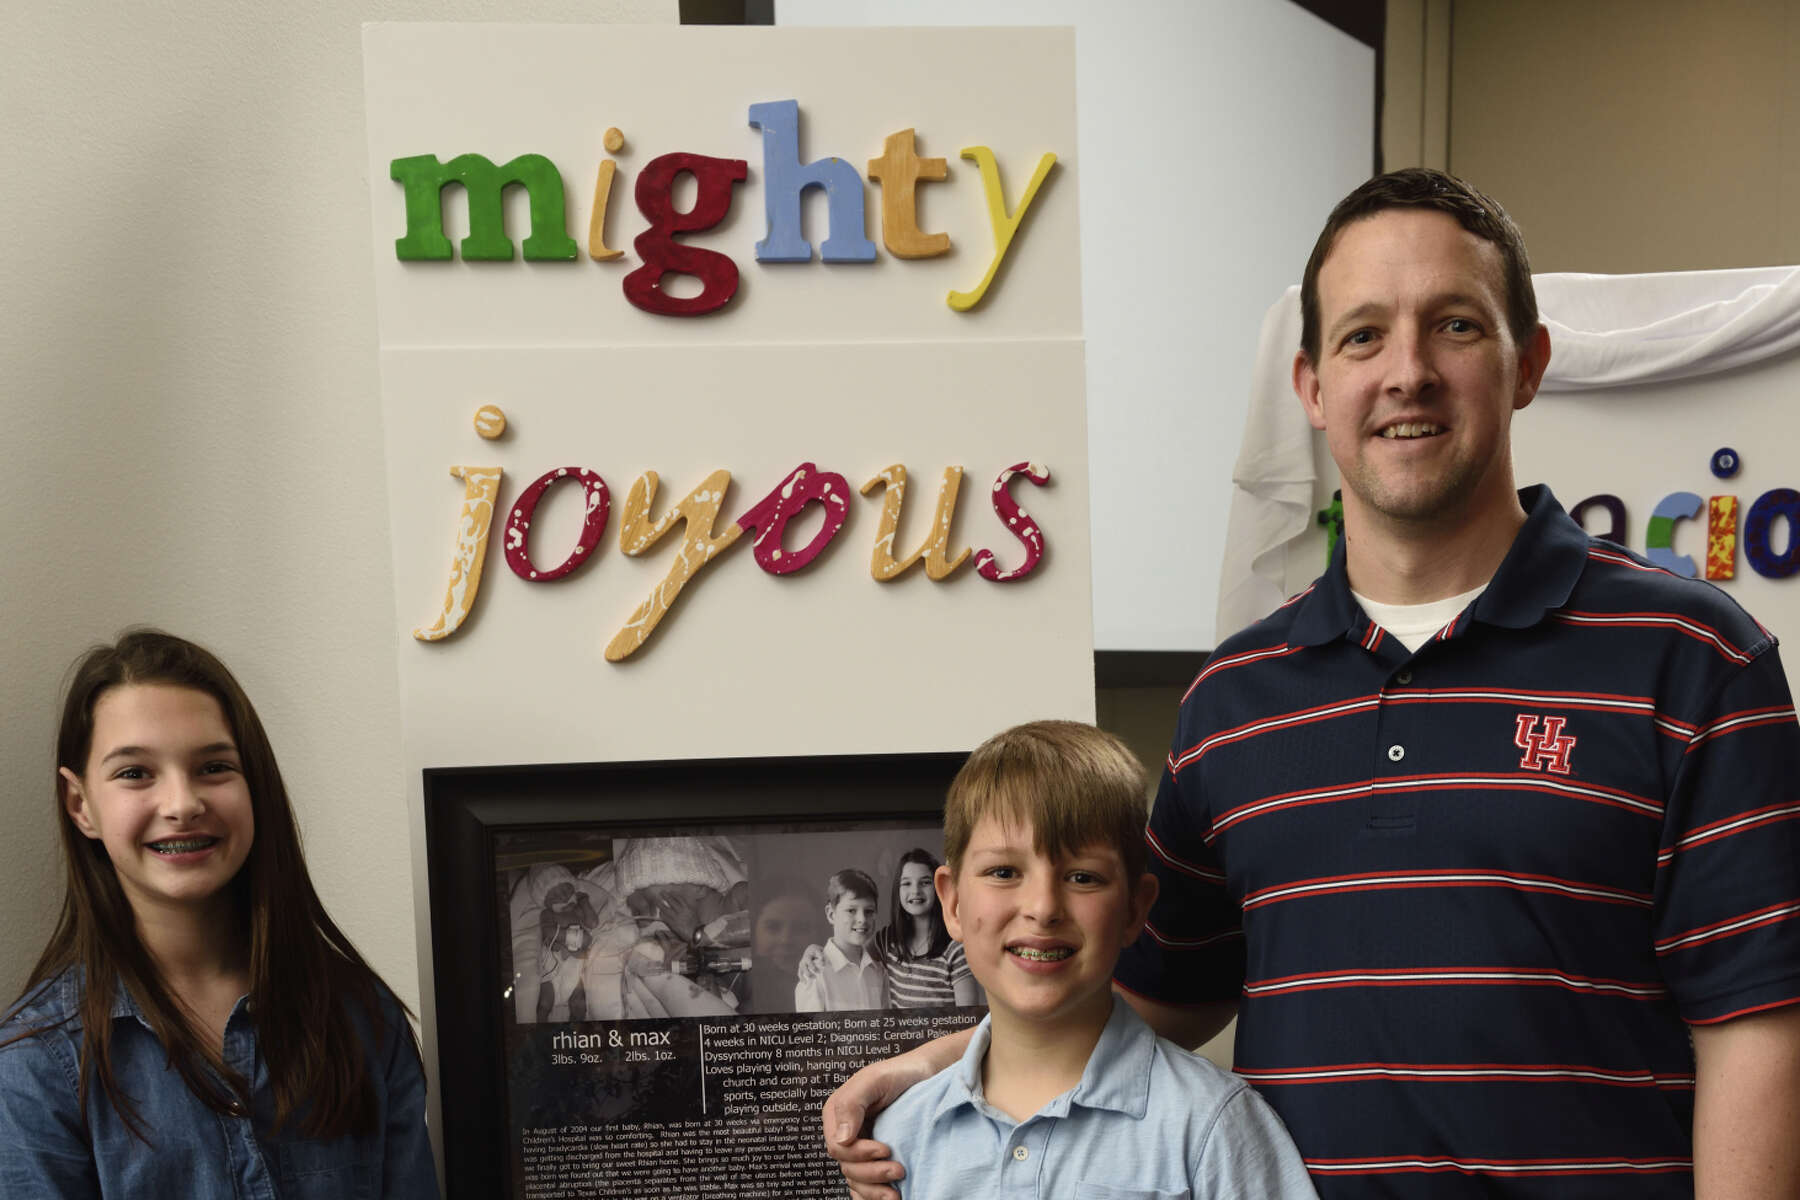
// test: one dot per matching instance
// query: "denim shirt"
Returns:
(194, 1152)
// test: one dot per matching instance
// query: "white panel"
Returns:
(853, 87)
(853, 367)
(825, 661)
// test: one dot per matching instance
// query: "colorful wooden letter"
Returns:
(1659, 535)
(697, 511)
(663, 255)
(1004, 224)
(1721, 537)
(469, 552)
(1017, 523)
(785, 177)
(518, 523)
(883, 565)
(899, 170)
(425, 178)
(1771, 506)
(769, 517)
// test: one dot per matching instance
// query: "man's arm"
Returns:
(866, 1164)
(1747, 1107)
(1189, 1026)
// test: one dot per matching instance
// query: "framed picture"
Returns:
(650, 975)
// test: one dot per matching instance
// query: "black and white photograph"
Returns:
(629, 992)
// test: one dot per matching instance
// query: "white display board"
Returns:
(1217, 135)
(852, 366)
(1644, 443)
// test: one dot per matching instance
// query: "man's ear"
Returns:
(1534, 360)
(75, 802)
(1143, 895)
(1306, 386)
(944, 880)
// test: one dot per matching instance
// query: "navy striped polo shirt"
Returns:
(1468, 898)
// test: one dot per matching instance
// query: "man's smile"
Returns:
(1411, 429)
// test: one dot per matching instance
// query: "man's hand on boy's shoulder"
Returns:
(867, 1164)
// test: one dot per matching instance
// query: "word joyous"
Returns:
(899, 171)
(703, 540)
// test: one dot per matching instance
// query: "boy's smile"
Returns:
(1042, 935)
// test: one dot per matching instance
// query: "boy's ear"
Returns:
(74, 801)
(1142, 897)
(944, 880)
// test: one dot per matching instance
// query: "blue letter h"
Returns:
(785, 177)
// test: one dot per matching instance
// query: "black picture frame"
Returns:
(467, 808)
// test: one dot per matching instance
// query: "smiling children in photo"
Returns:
(849, 975)
(1064, 1089)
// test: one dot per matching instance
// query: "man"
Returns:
(1479, 830)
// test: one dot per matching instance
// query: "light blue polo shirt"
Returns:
(1148, 1121)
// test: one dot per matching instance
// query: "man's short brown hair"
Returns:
(1422, 187)
(1071, 784)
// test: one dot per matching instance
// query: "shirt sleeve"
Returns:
(1727, 899)
(1192, 947)
(809, 994)
(408, 1170)
(43, 1146)
(1248, 1153)
(958, 963)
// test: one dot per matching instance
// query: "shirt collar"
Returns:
(1117, 1075)
(73, 983)
(1537, 575)
(839, 961)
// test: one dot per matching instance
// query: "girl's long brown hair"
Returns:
(304, 973)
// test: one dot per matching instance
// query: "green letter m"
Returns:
(425, 178)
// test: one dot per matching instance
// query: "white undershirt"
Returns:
(1414, 624)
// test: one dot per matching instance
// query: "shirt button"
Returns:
(235, 1108)
(1396, 753)
(1021, 1153)
(1403, 677)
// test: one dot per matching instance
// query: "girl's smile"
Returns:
(917, 895)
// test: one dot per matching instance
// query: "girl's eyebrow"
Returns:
(132, 751)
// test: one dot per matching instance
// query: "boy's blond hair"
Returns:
(1071, 784)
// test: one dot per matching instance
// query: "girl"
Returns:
(197, 1026)
(924, 967)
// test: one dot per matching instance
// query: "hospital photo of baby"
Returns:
(689, 898)
(660, 928)
(569, 936)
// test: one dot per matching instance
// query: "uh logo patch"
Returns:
(1545, 744)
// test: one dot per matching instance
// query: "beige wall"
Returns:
(191, 408)
(1624, 135)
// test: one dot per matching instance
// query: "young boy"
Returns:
(848, 976)
(1064, 1090)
